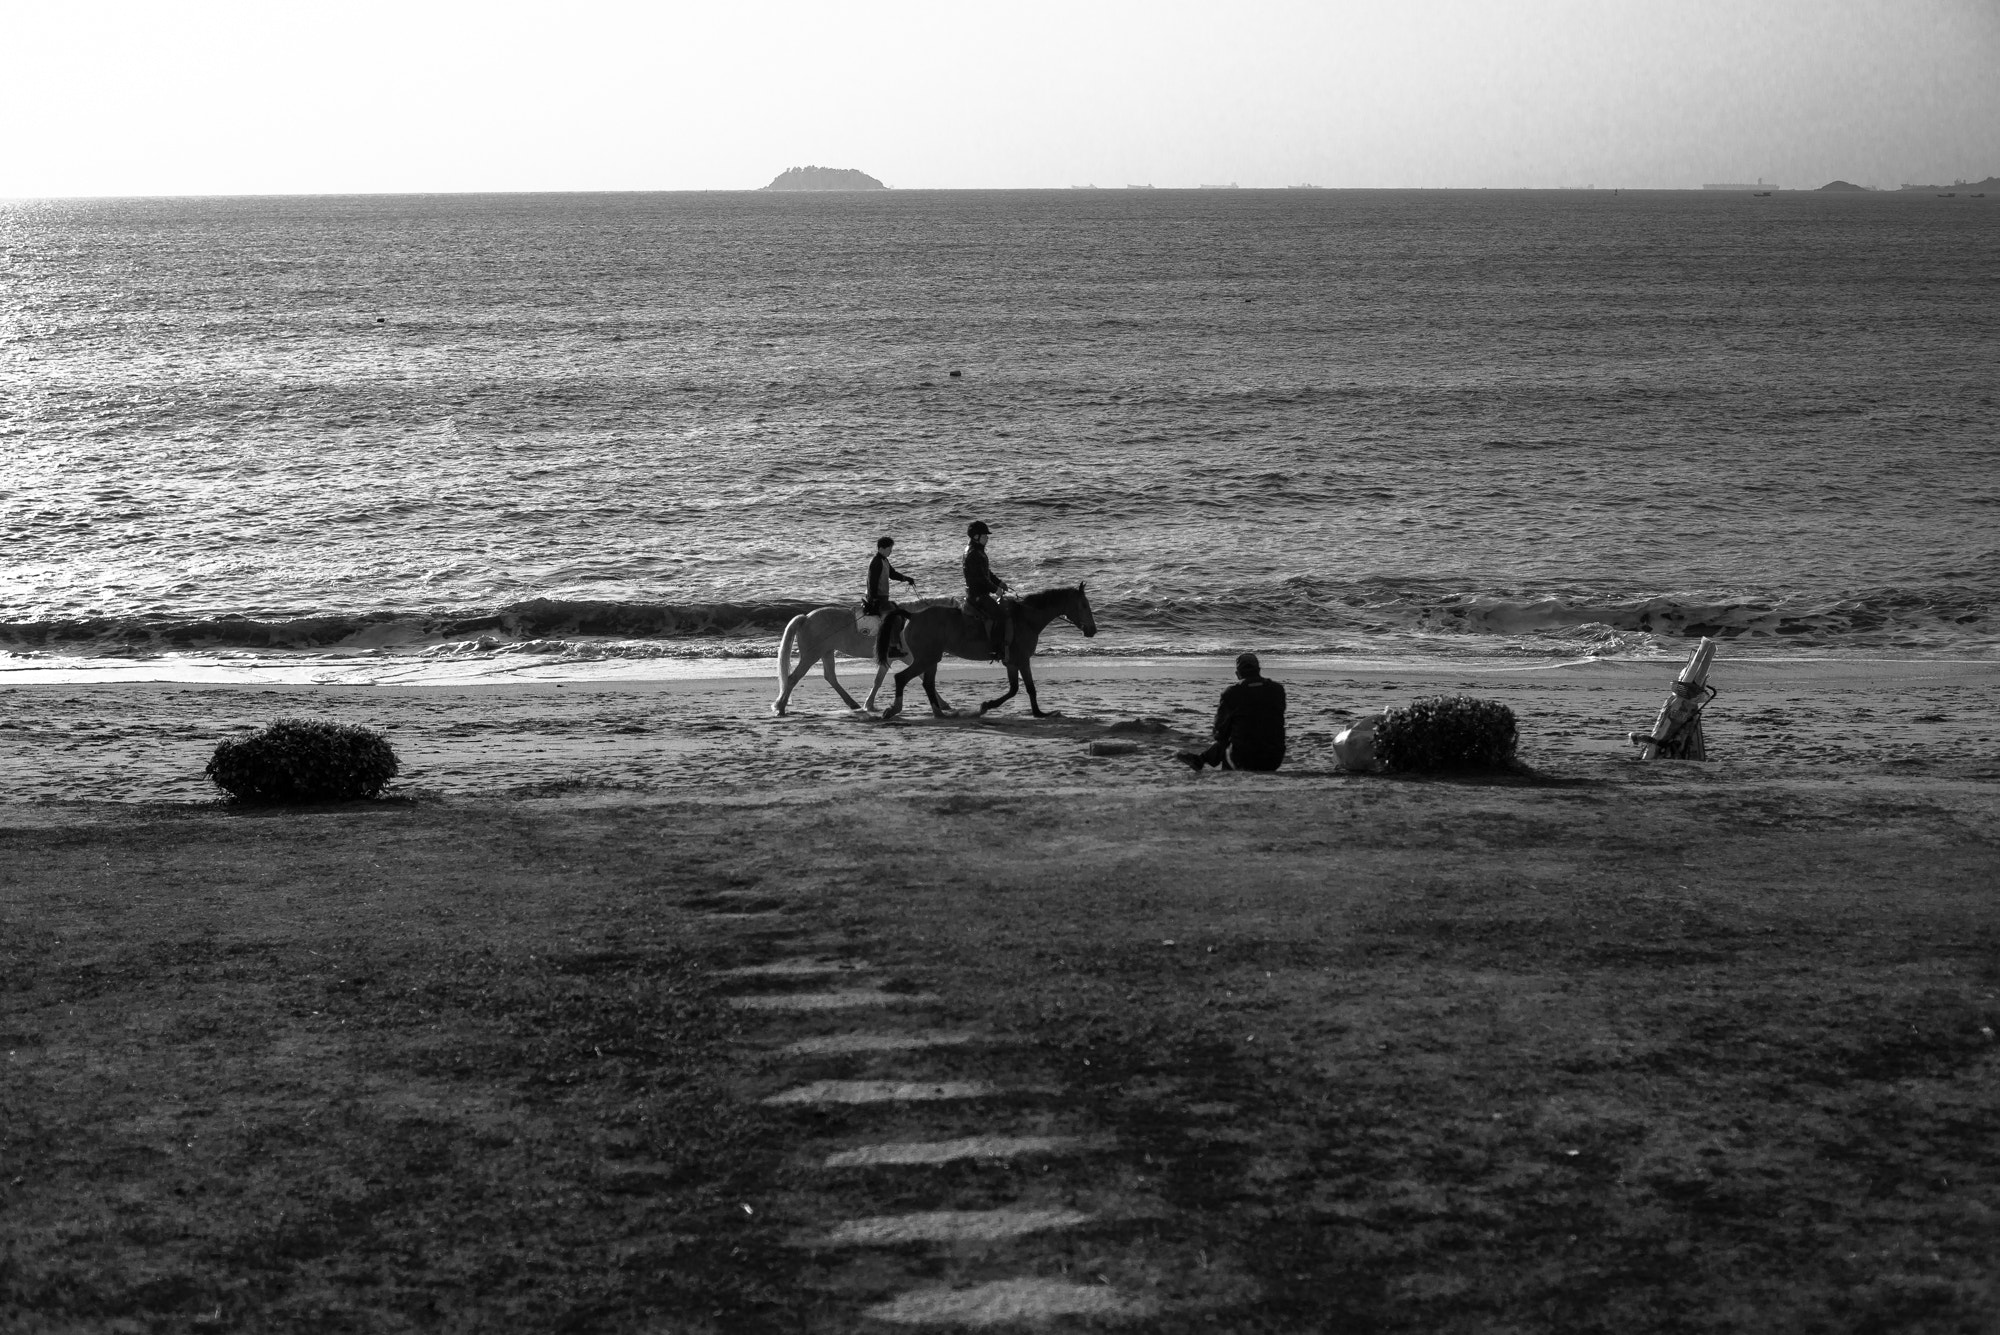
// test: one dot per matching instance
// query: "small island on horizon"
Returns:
(824, 178)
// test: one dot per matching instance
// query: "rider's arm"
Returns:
(898, 575)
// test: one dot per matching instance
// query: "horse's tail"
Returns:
(792, 629)
(885, 634)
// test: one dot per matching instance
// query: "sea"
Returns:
(401, 437)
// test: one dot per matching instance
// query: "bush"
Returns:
(304, 760)
(1446, 732)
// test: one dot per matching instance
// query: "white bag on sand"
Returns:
(1354, 745)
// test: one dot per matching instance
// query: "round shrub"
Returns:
(304, 760)
(1446, 732)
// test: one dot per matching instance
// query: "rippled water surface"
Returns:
(1483, 423)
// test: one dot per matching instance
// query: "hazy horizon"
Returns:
(221, 98)
(969, 189)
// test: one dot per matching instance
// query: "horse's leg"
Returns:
(786, 681)
(1034, 703)
(833, 681)
(792, 683)
(1013, 686)
(902, 680)
(881, 675)
(938, 707)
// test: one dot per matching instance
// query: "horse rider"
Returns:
(982, 591)
(876, 602)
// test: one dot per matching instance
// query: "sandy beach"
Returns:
(645, 1010)
(491, 388)
(148, 742)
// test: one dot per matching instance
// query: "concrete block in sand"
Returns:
(950, 1226)
(825, 1044)
(1007, 1302)
(884, 1091)
(828, 1001)
(948, 1151)
(805, 968)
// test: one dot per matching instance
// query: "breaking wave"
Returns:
(519, 625)
(1301, 615)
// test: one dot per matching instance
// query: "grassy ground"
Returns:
(1670, 1054)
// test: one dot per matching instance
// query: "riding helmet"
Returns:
(977, 527)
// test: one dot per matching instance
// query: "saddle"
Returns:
(988, 626)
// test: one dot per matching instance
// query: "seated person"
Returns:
(1249, 724)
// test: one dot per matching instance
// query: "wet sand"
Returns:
(148, 742)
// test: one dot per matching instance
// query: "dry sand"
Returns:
(133, 742)
(671, 1014)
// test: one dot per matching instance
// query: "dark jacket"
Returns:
(880, 572)
(980, 581)
(1251, 723)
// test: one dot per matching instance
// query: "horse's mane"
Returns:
(1048, 598)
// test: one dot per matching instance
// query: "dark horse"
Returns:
(936, 631)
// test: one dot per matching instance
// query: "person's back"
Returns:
(1249, 723)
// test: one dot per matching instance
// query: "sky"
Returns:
(116, 97)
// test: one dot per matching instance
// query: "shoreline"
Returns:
(638, 738)
(615, 671)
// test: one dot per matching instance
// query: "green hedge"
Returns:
(304, 760)
(1446, 732)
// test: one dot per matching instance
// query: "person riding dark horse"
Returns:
(876, 602)
(983, 589)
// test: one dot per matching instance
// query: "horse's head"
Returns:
(1079, 612)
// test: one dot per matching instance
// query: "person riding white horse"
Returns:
(875, 602)
(824, 632)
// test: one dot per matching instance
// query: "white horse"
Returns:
(819, 635)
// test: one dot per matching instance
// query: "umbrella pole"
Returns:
(1676, 733)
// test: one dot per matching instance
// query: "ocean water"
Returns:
(543, 428)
